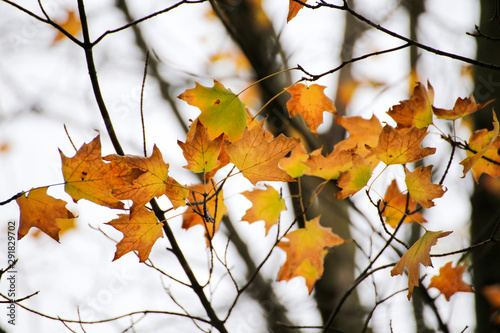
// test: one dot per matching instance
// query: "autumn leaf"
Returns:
(362, 133)
(294, 163)
(484, 158)
(355, 178)
(293, 9)
(40, 210)
(257, 158)
(153, 182)
(221, 110)
(416, 111)
(88, 177)
(418, 253)
(140, 233)
(305, 251)
(310, 102)
(207, 209)
(201, 153)
(394, 205)
(449, 281)
(462, 108)
(267, 206)
(400, 146)
(330, 166)
(492, 294)
(420, 187)
(72, 25)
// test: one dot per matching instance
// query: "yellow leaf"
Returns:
(355, 178)
(419, 253)
(40, 210)
(420, 187)
(88, 177)
(201, 153)
(394, 204)
(257, 158)
(416, 111)
(72, 25)
(140, 233)
(221, 110)
(309, 102)
(305, 251)
(400, 146)
(267, 206)
(462, 108)
(486, 145)
(153, 182)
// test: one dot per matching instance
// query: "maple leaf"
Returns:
(394, 205)
(88, 177)
(207, 209)
(355, 178)
(257, 158)
(293, 9)
(330, 166)
(420, 187)
(462, 108)
(40, 210)
(72, 25)
(486, 145)
(221, 110)
(140, 233)
(400, 146)
(267, 205)
(362, 133)
(416, 111)
(294, 163)
(201, 153)
(310, 102)
(152, 182)
(305, 251)
(418, 253)
(449, 281)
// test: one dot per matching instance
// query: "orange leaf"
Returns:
(492, 294)
(267, 205)
(394, 204)
(257, 158)
(221, 110)
(305, 252)
(140, 233)
(400, 146)
(294, 163)
(309, 102)
(417, 111)
(362, 133)
(419, 253)
(420, 187)
(40, 210)
(293, 8)
(449, 281)
(201, 153)
(72, 25)
(330, 166)
(153, 182)
(462, 108)
(88, 177)
(355, 178)
(207, 213)
(486, 144)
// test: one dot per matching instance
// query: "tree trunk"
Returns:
(485, 205)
